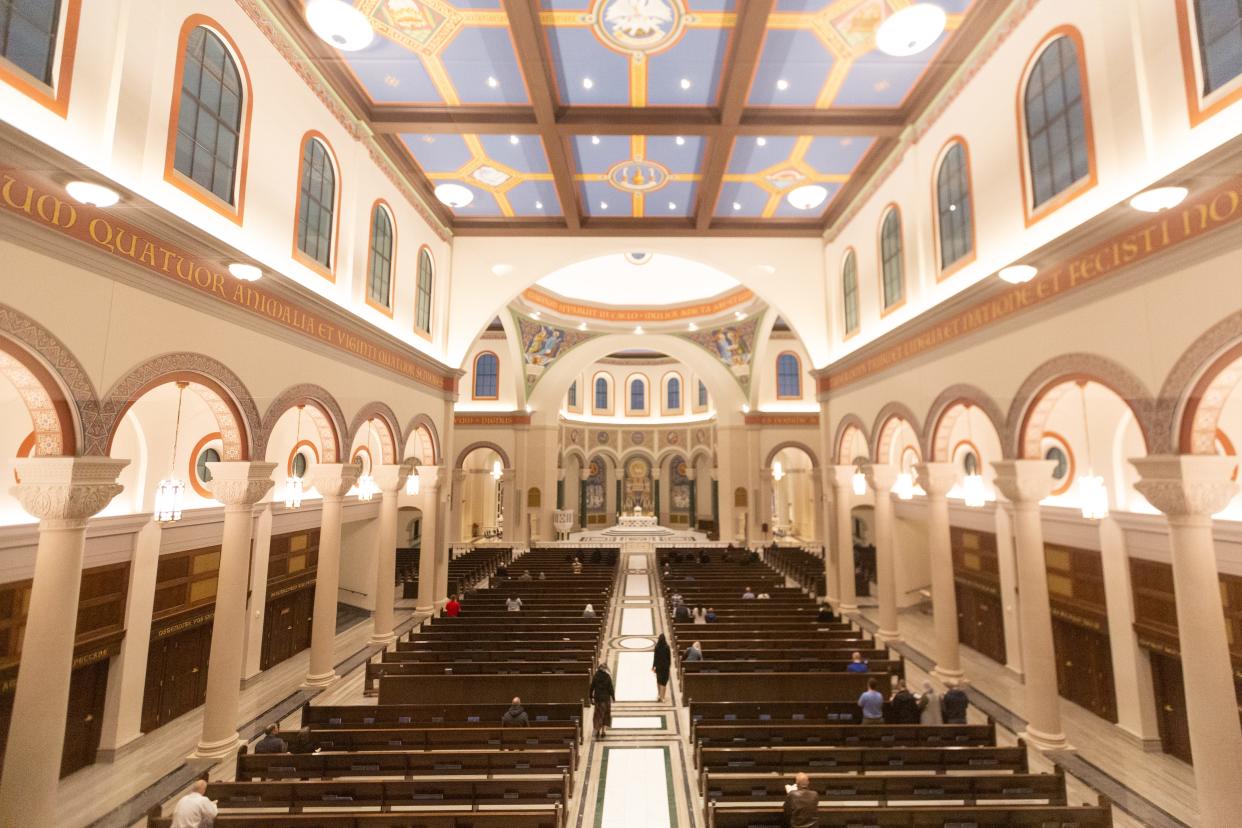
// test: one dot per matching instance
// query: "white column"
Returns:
(842, 478)
(63, 493)
(1189, 489)
(937, 479)
(881, 478)
(238, 485)
(512, 529)
(256, 602)
(1025, 483)
(390, 479)
(428, 503)
(817, 511)
(332, 481)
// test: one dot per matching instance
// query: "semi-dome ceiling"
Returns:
(629, 280)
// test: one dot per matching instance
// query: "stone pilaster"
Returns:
(390, 479)
(937, 479)
(333, 481)
(880, 477)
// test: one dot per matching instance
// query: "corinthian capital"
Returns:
(1024, 481)
(333, 479)
(67, 490)
(1187, 485)
(240, 482)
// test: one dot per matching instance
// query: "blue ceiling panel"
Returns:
(576, 55)
(685, 157)
(526, 156)
(477, 54)
(534, 198)
(390, 74)
(438, 153)
(698, 57)
(680, 194)
(837, 155)
(749, 157)
(750, 198)
(796, 57)
(596, 194)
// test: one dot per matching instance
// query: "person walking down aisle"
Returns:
(801, 804)
(602, 696)
(661, 664)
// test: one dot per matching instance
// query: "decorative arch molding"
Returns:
(672, 451)
(390, 435)
(849, 421)
(218, 387)
(1032, 403)
(427, 424)
(1191, 399)
(644, 453)
(321, 407)
(482, 444)
(608, 454)
(574, 451)
(79, 428)
(939, 425)
(779, 447)
(880, 433)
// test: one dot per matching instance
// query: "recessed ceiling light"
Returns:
(538, 205)
(582, 326)
(339, 24)
(639, 330)
(952, 208)
(739, 315)
(595, 139)
(536, 315)
(680, 141)
(603, 205)
(910, 30)
(94, 194)
(513, 139)
(454, 195)
(587, 83)
(807, 197)
(492, 82)
(672, 205)
(1017, 274)
(245, 272)
(1158, 198)
(761, 141)
(692, 327)
(782, 84)
(737, 205)
(502, 269)
(685, 83)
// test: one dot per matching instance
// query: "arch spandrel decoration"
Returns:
(848, 424)
(423, 423)
(321, 408)
(1191, 398)
(944, 412)
(794, 444)
(387, 430)
(884, 428)
(482, 444)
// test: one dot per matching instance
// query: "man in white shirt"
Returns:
(195, 810)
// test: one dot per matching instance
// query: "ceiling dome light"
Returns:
(339, 24)
(454, 195)
(513, 139)
(672, 205)
(587, 83)
(692, 327)
(807, 197)
(245, 272)
(1018, 274)
(761, 141)
(1158, 198)
(538, 205)
(782, 84)
(681, 142)
(582, 326)
(493, 83)
(685, 83)
(737, 205)
(94, 194)
(639, 330)
(910, 30)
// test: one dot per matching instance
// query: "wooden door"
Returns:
(278, 630)
(87, 689)
(980, 622)
(176, 676)
(1166, 675)
(1085, 668)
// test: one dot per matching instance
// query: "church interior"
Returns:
(834, 403)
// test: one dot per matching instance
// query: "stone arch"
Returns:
(1033, 402)
(574, 451)
(389, 436)
(69, 422)
(849, 421)
(481, 444)
(779, 447)
(322, 408)
(218, 387)
(424, 422)
(1191, 399)
(880, 432)
(940, 418)
(671, 451)
(700, 451)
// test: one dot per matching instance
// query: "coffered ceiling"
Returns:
(638, 116)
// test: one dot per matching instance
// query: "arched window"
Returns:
(316, 202)
(638, 395)
(672, 393)
(1218, 25)
(788, 376)
(1056, 122)
(571, 398)
(422, 308)
(486, 376)
(28, 34)
(379, 267)
(954, 219)
(702, 394)
(892, 277)
(601, 394)
(208, 115)
(849, 291)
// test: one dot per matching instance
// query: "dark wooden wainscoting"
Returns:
(976, 575)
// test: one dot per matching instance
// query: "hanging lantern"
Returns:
(412, 484)
(973, 490)
(1093, 495)
(169, 494)
(860, 483)
(366, 483)
(293, 492)
(903, 487)
(497, 471)
(778, 471)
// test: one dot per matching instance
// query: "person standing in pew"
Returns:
(502, 571)
(542, 577)
(452, 607)
(661, 664)
(856, 665)
(801, 804)
(602, 695)
(954, 704)
(515, 716)
(700, 615)
(576, 567)
(903, 708)
(695, 653)
(271, 743)
(195, 810)
(872, 704)
(929, 706)
(513, 604)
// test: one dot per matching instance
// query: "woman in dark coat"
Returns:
(661, 664)
(602, 695)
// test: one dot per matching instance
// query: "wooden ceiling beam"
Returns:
(746, 43)
(456, 120)
(536, 64)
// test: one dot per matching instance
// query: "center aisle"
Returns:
(638, 774)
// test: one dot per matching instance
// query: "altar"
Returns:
(638, 521)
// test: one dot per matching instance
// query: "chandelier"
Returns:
(903, 486)
(412, 483)
(860, 482)
(171, 490)
(973, 490)
(778, 471)
(293, 483)
(1092, 493)
(367, 488)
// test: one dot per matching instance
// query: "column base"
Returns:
(218, 749)
(386, 638)
(887, 636)
(320, 679)
(852, 609)
(1045, 741)
(947, 676)
(424, 608)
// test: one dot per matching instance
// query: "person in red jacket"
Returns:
(452, 608)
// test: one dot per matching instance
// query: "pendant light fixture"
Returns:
(412, 486)
(860, 481)
(778, 471)
(366, 482)
(973, 490)
(903, 486)
(293, 483)
(171, 490)
(1092, 493)
(497, 471)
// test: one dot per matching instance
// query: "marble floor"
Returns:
(625, 772)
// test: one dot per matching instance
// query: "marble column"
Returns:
(583, 476)
(1025, 483)
(428, 553)
(239, 485)
(937, 479)
(817, 512)
(880, 477)
(63, 493)
(437, 504)
(842, 478)
(390, 479)
(655, 495)
(692, 475)
(332, 481)
(1189, 489)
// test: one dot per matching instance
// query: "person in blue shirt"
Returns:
(695, 653)
(856, 665)
(872, 704)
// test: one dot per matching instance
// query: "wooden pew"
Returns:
(712, 687)
(861, 760)
(553, 651)
(442, 689)
(440, 738)
(805, 733)
(716, 663)
(881, 790)
(736, 712)
(378, 670)
(332, 765)
(554, 818)
(357, 716)
(1028, 816)
(296, 797)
